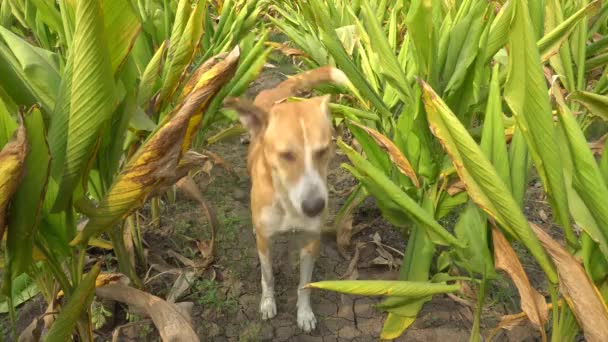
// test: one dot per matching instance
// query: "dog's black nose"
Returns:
(313, 206)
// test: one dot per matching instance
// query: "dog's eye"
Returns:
(322, 152)
(287, 156)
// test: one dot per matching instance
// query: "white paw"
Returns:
(306, 319)
(268, 308)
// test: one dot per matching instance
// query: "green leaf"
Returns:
(122, 27)
(527, 95)
(500, 30)
(439, 234)
(77, 304)
(395, 288)
(23, 289)
(550, 43)
(36, 69)
(595, 103)
(7, 125)
(484, 185)
(150, 76)
(180, 55)
(587, 178)
(92, 99)
(24, 214)
(493, 142)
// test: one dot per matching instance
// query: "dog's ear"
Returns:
(250, 115)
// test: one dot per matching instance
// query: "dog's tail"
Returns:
(304, 81)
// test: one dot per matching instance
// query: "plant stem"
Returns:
(123, 257)
(555, 314)
(481, 296)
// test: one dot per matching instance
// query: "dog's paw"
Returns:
(306, 319)
(268, 308)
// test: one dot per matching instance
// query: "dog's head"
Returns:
(295, 138)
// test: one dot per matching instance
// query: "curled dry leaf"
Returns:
(286, 50)
(12, 160)
(154, 165)
(532, 302)
(456, 187)
(168, 319)
(510, 321)
(578, 290)
(393, 152)
(104, 279)
(597, 147)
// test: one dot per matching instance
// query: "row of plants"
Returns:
(453, 104)
(100, 105)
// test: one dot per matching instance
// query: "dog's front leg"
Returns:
(308, 255)
(268, 306)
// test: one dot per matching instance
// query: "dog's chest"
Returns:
(275, 219)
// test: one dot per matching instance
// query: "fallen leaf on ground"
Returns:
(170, 321)
(532, 302)
(508, 322)
(578, 290)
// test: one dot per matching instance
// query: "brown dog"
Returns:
(287, 161)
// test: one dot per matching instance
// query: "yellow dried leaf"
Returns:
(532, 302)
(393, 152)
(580, 293)
(12, 160)
(155, 164)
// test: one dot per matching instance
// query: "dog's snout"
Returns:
(313, 206)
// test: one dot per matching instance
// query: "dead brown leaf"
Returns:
(532, 302)
(393, 152)
(344, 234)
(578, 290)
(351, 272)
(12, 161)
(456, 187)
(170, 322)
(598, 146)
(286, 50)
(508, 322)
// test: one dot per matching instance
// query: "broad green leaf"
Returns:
(23, 289)
(37, 69)
(24, 214)
(484, 185)
(587, 178)
(92, 99)
(550, 43)
(181, 54)
(526, 94)
(391, 190)
(150, 76)
(463, 47)
(493, 142)
(420, 24)
(395, 325)
(395, 288)
(122, 27)
(77, 304)
(390, 67)
(472, 229)
(595, 103)
(500, 30)
(7, 125)
(521, 164)
(561, 62)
